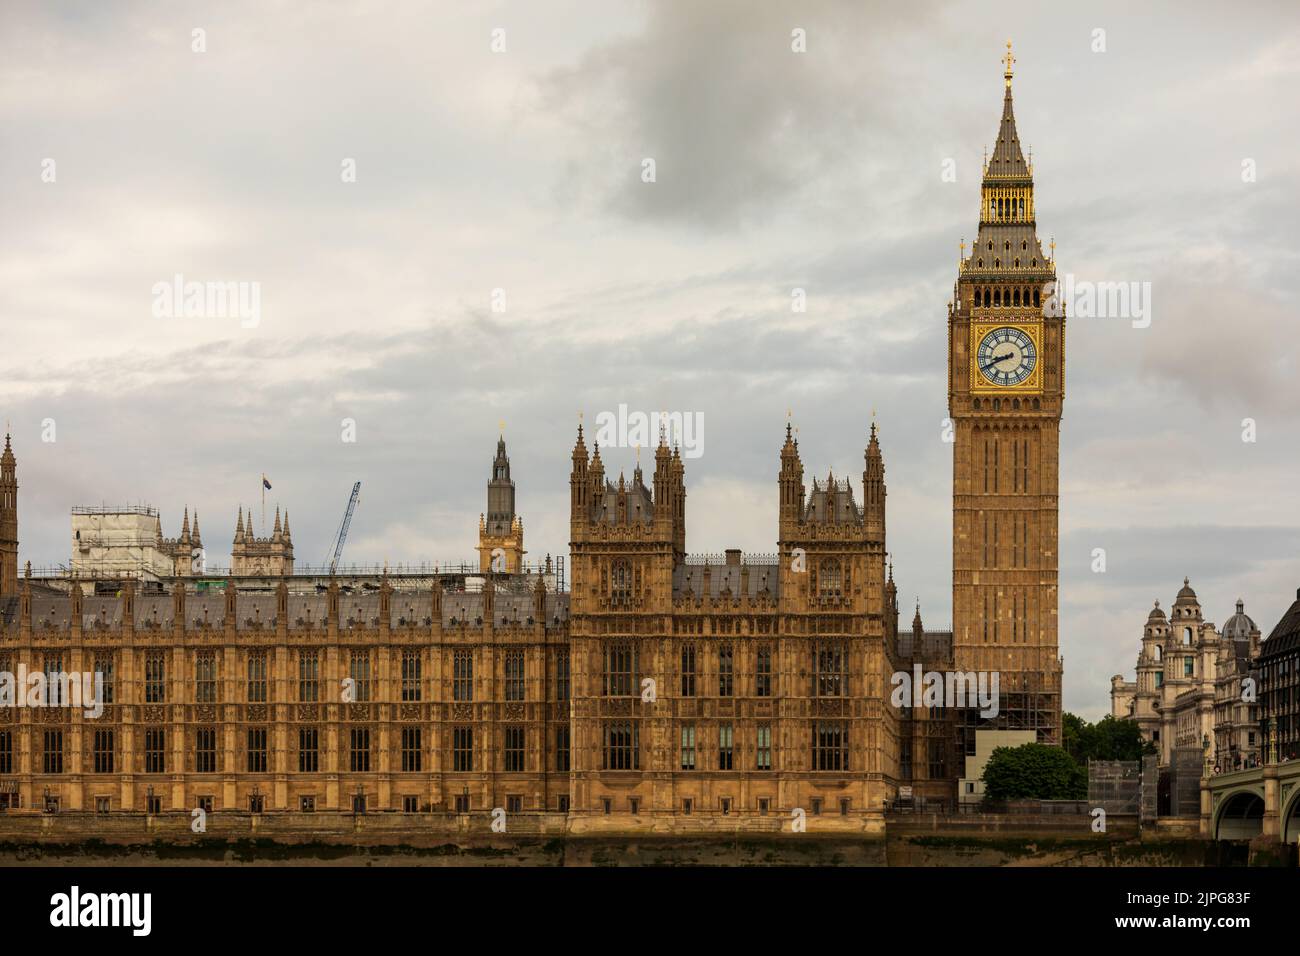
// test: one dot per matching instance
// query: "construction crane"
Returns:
(342, 534)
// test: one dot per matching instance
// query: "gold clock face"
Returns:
(1005, 357)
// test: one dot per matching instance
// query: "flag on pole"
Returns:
(266, 484)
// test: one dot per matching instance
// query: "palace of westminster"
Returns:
(659, 688)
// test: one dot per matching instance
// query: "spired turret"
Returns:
(500, 530)
(185, 551)
(271, 556)
(8, 522)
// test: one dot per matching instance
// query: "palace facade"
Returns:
(663, 684)
(662, 689)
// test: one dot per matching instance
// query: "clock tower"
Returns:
(1006, 383)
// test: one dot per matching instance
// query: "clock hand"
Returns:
(997, 359)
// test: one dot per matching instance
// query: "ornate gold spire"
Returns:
(1008, 60)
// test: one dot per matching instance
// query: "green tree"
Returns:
(1034, 772)
(1107, 739)
(1073, 729)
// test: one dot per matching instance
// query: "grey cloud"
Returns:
(734, 120)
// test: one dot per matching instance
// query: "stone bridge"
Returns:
(1246, 804)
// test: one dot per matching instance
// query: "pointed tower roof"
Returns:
(500, 491)
(239, 524)
(1008, 160)
(790, 451)
(873, 455)
(1007, 240)
(197, 536)
(7, 458)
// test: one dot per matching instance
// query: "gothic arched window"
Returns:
(829, 579)
(620, 585)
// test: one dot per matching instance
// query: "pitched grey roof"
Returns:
(934, 647)
(1285, 637)
(832, 501)
(727, 577)
(255, 609)
(640, 501)
(467, 608)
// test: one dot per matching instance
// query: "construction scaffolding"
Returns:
(114, 542)
(1115, 786)
(1025, 702)
(1185, 770)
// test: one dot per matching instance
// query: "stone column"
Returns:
(1272, 804)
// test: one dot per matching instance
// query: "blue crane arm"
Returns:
(343, 528)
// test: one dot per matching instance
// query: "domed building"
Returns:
(1188, 687)
(1236, 721)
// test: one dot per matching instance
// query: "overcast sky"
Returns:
(521, 171)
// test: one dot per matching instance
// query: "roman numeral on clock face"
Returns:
(1006, 356)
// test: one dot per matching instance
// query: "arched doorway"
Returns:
(1241, 818)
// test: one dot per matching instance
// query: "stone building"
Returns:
(1189, 684)
(715, 685)
(665, 690)
(1006, 390)
(664, 685)
(251, 555)
(1279, 686)
(929, 758)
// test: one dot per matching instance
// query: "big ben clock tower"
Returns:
(1006, 383)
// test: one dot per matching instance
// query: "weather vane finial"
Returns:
(1008, 60)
